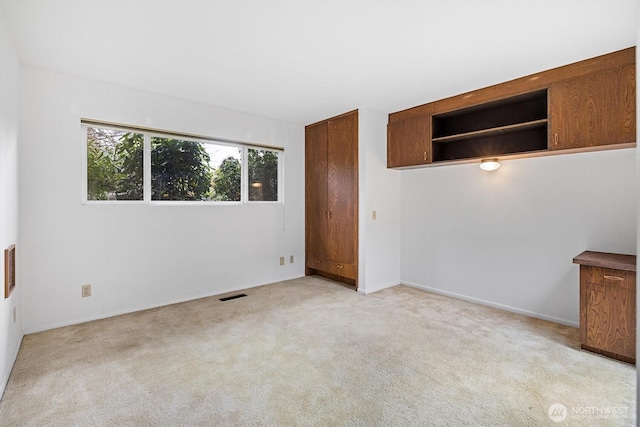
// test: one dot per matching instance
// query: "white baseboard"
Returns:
(493, 304)
(377, 288)
(42, 328)
(14, 356)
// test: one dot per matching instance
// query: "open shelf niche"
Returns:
(513, 125)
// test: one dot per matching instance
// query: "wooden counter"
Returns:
(606, 260)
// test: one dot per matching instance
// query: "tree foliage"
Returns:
(102, 163)
(226, 181)
(100, 172)
(179, 170)
(130, 175)
(263, 175)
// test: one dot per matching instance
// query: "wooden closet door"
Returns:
(316, 195)
(595, 109)
(342, 194)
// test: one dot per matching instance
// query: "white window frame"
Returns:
(245, 176)
(149, 133)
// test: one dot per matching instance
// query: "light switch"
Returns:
(373, 215)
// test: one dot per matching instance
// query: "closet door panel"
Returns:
(316, 211)
(342, 190)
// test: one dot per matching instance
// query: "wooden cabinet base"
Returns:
(609, 354)
(345, 270)
(334, 277)
(608, 304)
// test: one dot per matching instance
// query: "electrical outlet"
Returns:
(374, 215)
(86, 291)
(281, 260)
(14, 315)
(291, 259)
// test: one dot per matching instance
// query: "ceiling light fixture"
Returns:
(489, 164)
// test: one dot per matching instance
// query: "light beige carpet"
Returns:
(313, 352)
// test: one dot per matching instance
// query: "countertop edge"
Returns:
(607, 260)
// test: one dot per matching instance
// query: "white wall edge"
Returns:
(492, 304)
(148, 307)
(378, 288)
(7, 375)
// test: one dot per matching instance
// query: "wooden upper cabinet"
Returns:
(584, 106)
(594, 110)
(409, 142)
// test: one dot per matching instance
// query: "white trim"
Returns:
(112, 202)
(492, 304)
(146, 168)
(163, 203)
(85, 174)
(281, 177)
(151, 306)
(14, 357)
(244, 176)
(262, 202)
(368, 291)
(280, 193)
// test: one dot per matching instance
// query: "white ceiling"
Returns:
(303, 61)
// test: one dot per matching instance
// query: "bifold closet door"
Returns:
(316, 194)
(342, 194)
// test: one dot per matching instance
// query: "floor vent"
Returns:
(233, 297)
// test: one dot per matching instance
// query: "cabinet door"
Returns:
(610, 312)
(593, 110)
(316, 194)
(342, 190)
(409, 142)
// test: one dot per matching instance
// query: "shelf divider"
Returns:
(491, 131)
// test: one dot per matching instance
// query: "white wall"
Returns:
(137, 257)
(508, 238)
(10, 329)
(379, 250)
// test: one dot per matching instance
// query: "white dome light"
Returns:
(489, 164)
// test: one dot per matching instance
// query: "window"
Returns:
(114, 164)
(263, 175)
(183, 170)
(135, 165)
